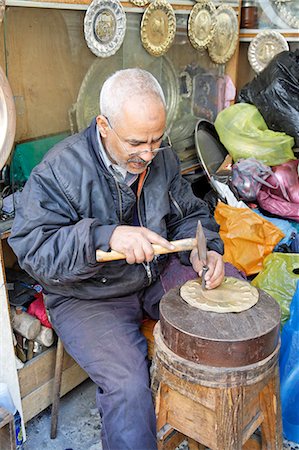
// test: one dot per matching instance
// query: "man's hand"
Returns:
(215, 274)
(136, 243)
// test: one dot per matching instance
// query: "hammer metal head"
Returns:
(201, 243)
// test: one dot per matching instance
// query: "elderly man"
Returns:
(116, 185)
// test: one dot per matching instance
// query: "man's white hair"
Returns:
(124, 85)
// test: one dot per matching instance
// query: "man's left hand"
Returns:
(215, 274)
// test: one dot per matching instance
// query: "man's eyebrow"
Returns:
(136, 141)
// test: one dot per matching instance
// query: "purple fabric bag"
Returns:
(282, 201)
(248, 176)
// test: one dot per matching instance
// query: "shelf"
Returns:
(290, 34)
(178, 5)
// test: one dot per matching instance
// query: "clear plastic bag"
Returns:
(244, 133)
(279, 279)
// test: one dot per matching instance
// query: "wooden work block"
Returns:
(7, 431)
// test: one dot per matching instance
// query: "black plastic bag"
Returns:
(275, 93)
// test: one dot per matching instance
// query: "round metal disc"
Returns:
(158, 27)
(140, 2)
(232, 295)
(104, 27)
(288, 11)
(7, 119)
(264, 47)
(225, 38)
(201, 24)
(87, 105)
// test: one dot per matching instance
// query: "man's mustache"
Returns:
(138, 160)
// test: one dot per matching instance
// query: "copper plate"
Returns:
(225, 38)
(104, 27)
(201, 24)
(7, 119)
(264, 47)
(158, 27)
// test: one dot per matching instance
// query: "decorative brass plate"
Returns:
(140, 2)
(104, 27)
(87, 105)
(232, 295)
(158, 27)
(7, 119)
(264, 47)
(201, 24)
(225, 38)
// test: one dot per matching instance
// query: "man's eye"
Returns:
(134, 145)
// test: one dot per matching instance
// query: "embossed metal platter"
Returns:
(87, 104)
(288, 11)
(225, 38)
(201, 24)
(7, 119)
(232, 295)
(104, 27)
(158, 27)
(264, 47)
(140, 2)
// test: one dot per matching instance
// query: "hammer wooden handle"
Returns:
(180, 246)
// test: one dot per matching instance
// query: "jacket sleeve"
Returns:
(186, 209)
(53, 244)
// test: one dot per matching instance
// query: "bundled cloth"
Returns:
(282, 200)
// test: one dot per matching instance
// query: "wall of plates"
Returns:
(57, 59)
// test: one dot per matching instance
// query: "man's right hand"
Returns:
(136, 243)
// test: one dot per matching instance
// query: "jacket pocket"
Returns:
(176, 205)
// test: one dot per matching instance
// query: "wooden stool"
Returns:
(7, 430)
(216, 407)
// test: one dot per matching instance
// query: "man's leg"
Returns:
(104, 338)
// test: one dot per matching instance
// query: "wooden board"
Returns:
(46, 64)
(38, 393)
(8, 370)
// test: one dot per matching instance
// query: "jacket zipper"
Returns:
(176, 205)
(145, 265)
(119, 201)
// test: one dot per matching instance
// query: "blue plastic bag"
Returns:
(289, 372)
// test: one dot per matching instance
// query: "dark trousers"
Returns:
(104, 337)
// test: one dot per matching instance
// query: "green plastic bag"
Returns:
(244, 133)
(279, 279)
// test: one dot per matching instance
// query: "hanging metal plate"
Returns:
(7, 119)
(104, 27)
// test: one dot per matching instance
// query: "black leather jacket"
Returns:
(70, 206)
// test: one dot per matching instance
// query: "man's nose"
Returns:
(147, 155)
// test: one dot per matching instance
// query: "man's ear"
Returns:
(102, 125)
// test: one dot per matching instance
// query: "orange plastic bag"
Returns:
(247, 237)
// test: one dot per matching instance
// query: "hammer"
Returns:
(180, 245)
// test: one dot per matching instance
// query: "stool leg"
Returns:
(229, 418)
(56, 388)
(271, 426)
